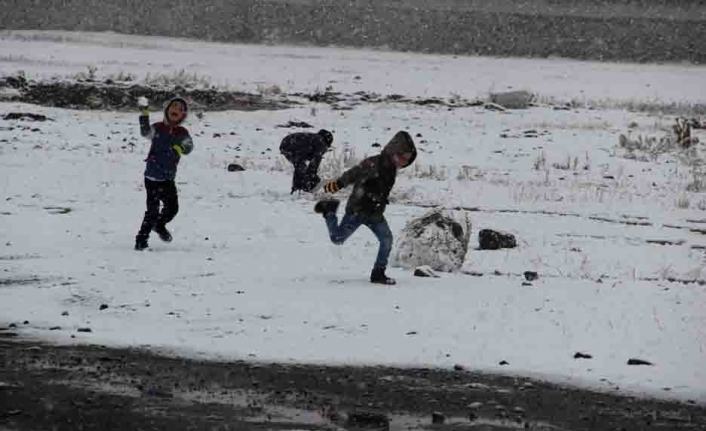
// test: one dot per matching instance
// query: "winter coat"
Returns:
(373, 178)
(303, 146)
(168, 144)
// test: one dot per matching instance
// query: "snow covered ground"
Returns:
(251, 273)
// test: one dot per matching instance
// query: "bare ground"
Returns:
(46, 387)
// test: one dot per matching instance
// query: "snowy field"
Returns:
(618, 243)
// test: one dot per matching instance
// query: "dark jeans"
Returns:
(350, 223)
(159, 192)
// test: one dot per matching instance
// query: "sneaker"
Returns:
(378, 276)
(163, 233)
(324, 207)
(141, 244)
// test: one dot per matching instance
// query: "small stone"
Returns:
(103, 306)
(459, 367)
(55, 328)
(635, 361)
(475, 405)
(438, 418)
(84, 330)
(234, 167)
(531, 275)
(580, 355)
(65, 313)
(504, 362)
(26, 322)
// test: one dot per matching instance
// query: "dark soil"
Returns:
(625, 30)
(45, 387)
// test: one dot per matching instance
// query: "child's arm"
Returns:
(146, 129)
(362, 170)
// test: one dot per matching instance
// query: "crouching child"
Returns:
(169, 142)
(372, 180)
(305, 150)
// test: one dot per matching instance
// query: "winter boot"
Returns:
(378, 276)
(163, 233)
(329, 206)
(140, 243)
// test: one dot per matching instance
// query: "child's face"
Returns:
(176, 112)
(401, 159)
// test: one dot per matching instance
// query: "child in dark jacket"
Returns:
(305, 150)
(372, 181)
(169, 142)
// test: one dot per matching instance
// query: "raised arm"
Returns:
(146, 129)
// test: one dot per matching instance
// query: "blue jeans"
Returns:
(350, 223)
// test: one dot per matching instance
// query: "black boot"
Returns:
(140, 243)
(329, 206)
(163, 233)
(378, 276)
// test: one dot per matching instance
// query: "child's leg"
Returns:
(170, 200)
(382, 232)
(340, 233)
(152, 213)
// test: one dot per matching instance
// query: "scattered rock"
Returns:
(376, 145)
(438, 239)
(494, 107)
(489, 239)
(459, 367)
(84, 330)
(526, 283)
(531, 275)
(26, 116)
(580, 355)
(64, 313)
(103, 307)
(635, 361)
(55, 328)
(513, 99)
(438, 418)
(425, 271)
(301, 124)
(503, 362)
(235, 167)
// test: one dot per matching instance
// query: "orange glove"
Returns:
(331, 186)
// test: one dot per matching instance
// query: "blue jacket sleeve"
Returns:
(146, 129)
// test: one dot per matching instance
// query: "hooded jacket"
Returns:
(168, 145)
(373, 178)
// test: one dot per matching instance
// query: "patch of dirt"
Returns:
(97, 388)
(122, 96)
